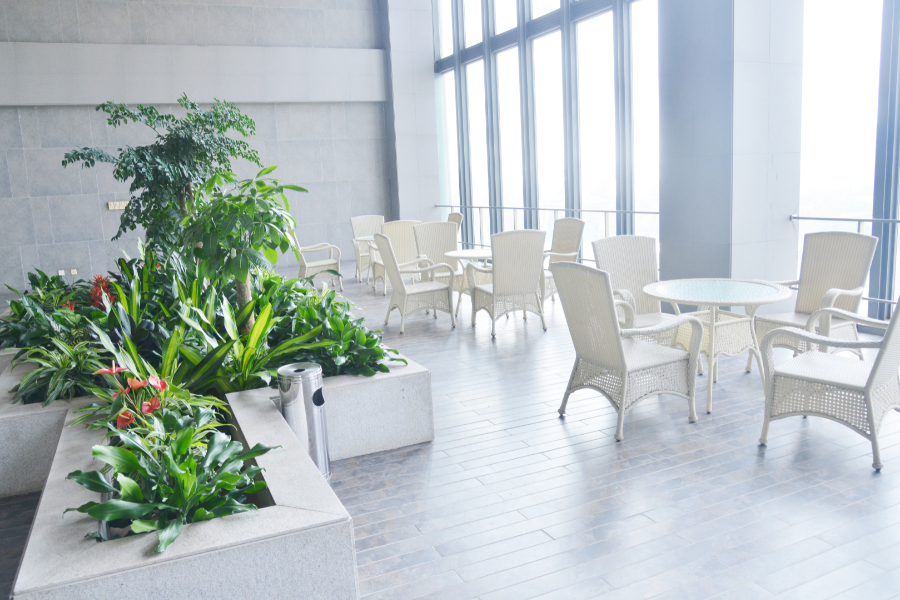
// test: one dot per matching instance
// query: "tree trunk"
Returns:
(183, 194)
(244, 295)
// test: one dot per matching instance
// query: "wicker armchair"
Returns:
(833, 271)
(517, 262)
(616, 362)
(417, 296)
(854, 393)
(565, 246)
(364, 226)
(433, 241)
(311, 268)
(403, 240)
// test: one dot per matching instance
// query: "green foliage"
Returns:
(63, 371)
(169, 476)
(186, 152)
(240, 227)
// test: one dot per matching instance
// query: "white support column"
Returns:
(411, 107)
(730, 100)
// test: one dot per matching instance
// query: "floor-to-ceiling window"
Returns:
(841, 50)
(544, 115)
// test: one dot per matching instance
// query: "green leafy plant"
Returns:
(243, 226)
(62, 372)
(170, 477)
(163, 175)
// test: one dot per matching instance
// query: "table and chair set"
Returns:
(626, 347)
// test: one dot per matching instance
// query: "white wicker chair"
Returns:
(412, 298)
(403, 240)
(616, 362)
(565, 246)
(854, 393)
(433, 241)
(311, 268)
(364, 226)
(833, 272)
(517, 262)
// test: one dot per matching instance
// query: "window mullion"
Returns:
(526, 103)
(570, 111)
(624, 125)
(492, 120)
(462, 126)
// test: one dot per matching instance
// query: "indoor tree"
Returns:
(186, 152)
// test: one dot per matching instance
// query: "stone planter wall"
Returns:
(299, 547)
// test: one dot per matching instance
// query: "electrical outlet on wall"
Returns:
(61, 272)
(74, 271)
(118, 205)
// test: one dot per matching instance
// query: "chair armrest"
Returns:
(664, 326)
(844, 314)
(629, 313)
(626, 296)
(416, 261)
(813, 338)
(430, 271)
(833, 294)
(787, 283)
(569, 255)
(332, 250)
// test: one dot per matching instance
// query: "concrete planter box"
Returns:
(6, 357)
(382, 412)
(28, 437)
(299, 546)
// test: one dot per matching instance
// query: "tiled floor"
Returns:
(511, 502)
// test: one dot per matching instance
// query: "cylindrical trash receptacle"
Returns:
(303, 407)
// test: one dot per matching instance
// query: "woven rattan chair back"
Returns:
(455, 217)
(434, 240)
(888, 361)
(833, 259)
(566, 237)
(630, 261)
(403, 239)
(366, 225)
(389, 258)
(517, 258)
(587, 301)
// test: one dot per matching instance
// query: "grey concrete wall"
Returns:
(53, 218)
(309, 23)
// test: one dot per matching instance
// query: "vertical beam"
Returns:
(492, 112)
(887, 163)
(462, 125)
(570, 111)
(526, 110)
(624, 126)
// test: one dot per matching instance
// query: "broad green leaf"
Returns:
(169, 534)
(123, 460)
(130, 490)
(92, 480)
(120, 509)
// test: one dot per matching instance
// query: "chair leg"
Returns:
(543, 323)
(562, 407)
(762, 373)
(876, 453)
(493, 326)
(700, 365)
(388, 315)
(750, 361)
(458, 302)
(620, 425)
(715, 370)
(452, 316)
(402, 321)
(341, 283)
(764, 436)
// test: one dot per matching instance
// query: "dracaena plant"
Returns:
(240, 225)
(61, 372)
(173, 475)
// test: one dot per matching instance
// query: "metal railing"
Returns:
(859, 223)
(518, 224)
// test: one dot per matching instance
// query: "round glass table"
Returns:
(470, 254)
(724, 332)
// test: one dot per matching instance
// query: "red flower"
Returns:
(125, 419)
(100, 287)
(149, 407)
(136, 385)
(157, 265)
(158, 383)
(125, 391)
(70, 305)
(110, 371)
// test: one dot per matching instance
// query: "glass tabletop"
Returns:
(717, 291)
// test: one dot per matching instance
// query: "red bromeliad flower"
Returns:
(158, 383)
(99, 288)
(70, 305)
(149, 407)
(110, 371)
(125, 419)
(136, 385)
